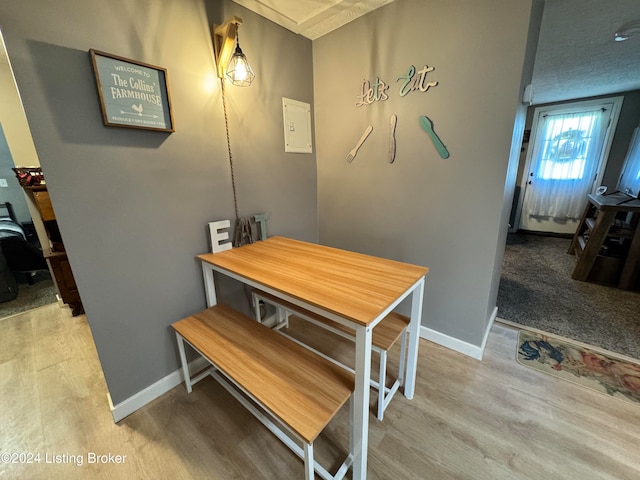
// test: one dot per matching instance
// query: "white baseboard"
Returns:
(162, 386)
(143, 397)
(452, 343)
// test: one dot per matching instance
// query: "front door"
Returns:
(565, 163)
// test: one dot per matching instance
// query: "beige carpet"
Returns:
(537, 291)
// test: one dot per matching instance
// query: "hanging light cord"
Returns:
(226, 124)
(243, 233)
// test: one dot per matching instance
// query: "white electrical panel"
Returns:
(297, 126)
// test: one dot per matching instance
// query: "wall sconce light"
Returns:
(627, 30)
(233, 64)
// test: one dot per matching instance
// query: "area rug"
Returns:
(595, 370)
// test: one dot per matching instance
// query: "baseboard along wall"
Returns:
(153, 391)
(473, 351)
(162, 386)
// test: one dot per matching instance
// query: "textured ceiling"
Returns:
(576, 55)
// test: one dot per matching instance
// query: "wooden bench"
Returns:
(297, 391)
(384, 336)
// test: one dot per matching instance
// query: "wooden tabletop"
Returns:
(352, 285)
(615, 201)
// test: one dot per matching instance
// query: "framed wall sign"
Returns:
(132, 94)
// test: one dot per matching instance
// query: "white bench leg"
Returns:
(403, 356)
(183, 361)
(382, 382)
(282, 317)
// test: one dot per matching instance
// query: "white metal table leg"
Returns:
(414, 327)
(309, 473)
(360, 419)
(352, 435)
(209, 284)
(255, 301)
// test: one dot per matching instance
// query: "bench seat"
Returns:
(297, 387)
(383, 337)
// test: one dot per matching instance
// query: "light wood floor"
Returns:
(493, 419)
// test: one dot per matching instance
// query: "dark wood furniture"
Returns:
(607, 241)
(55, 253)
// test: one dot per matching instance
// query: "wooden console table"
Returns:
(600, 225)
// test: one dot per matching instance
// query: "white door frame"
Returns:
(616, 105)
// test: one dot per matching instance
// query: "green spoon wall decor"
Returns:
(427, 126)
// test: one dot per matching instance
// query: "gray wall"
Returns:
(627, 123)
(446, 214)
(21, 152)
(132, 204)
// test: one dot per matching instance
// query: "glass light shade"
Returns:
(239, 71)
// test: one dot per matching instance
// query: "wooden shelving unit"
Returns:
(56, 255)
(607, 241)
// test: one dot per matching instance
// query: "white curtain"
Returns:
(564, 163)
